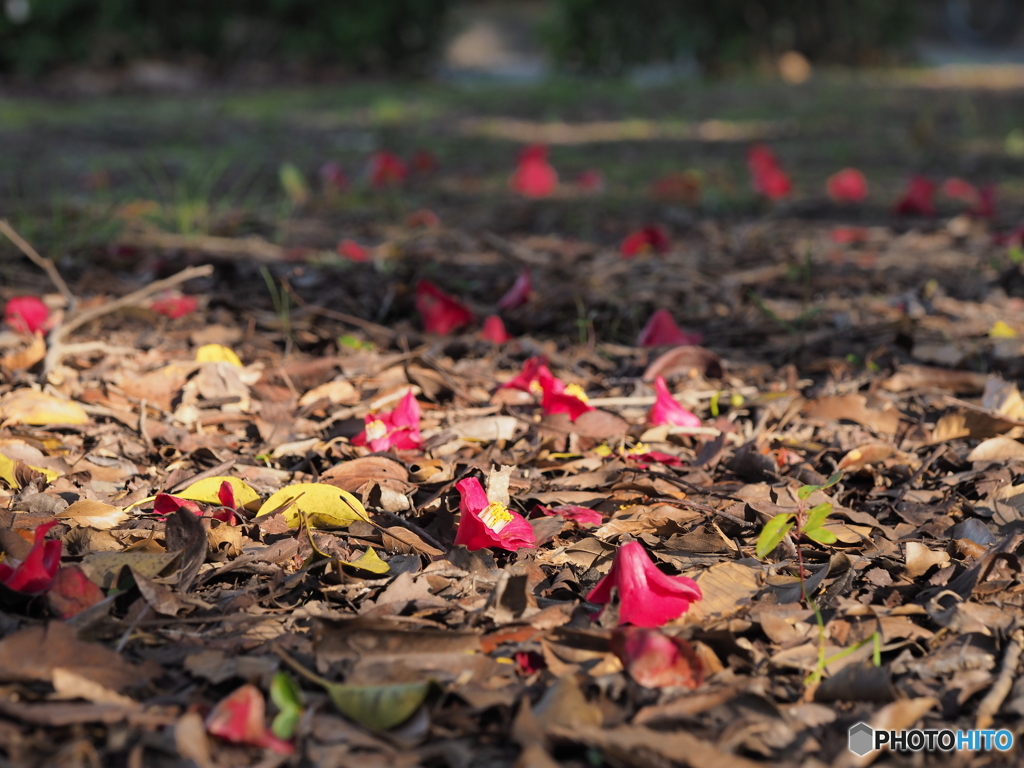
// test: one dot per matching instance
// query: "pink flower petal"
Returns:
(666, 410)
(661, 330)
(510, 531)
(26, 314)
(494, 330)
(440, 313)
(518, 294)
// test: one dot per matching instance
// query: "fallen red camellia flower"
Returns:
(440, 313)
(333, 177)
(847, 186)
(980, 202)
(174, 306)
(647, 597)
(240, 718)
(556, 396)
(72, 592)
(649, 238)
(656, 660)
(484, 523)
(494, 330)
(350, 249)
(386, 169)
(667, 410)
(34, 575)
(767, 177)
(532, 378)
(519, 293)
(399, 428)
(661, 330)
(534, 176)
(590, 180)
(167, 504)
(917, 198)
(26, 314)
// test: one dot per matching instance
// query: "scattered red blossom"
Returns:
(661, 330)
(917, 198)
(439, 312)
(386, 169)
(656, 660)
(519, 293)
(767, 177)
(26, 314)
(240, 718)
(494, 330)
(647, 597)
(174, 306)
(399, 428)
(666, 410)
(484, 523)
(556, 396)
(649, 238)
(352, 250)
(582, 516)
(979, 202)
(34, 575)
(847, 186)
(534, 176)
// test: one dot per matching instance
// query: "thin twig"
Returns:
(1000, 689)
(702, 508)
(57, 349)
(366, 325)
(684, 484)
(46, 265)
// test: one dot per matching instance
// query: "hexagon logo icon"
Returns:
(862, 739)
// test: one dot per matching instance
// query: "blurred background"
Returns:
(260, 116)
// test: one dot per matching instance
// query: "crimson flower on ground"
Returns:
(579, 515)
(440, 313)
(661, 330)
(656, 660)
(173, 306)
(350, 249)
(494, 330)
(767, 177)
(518, 294)
(166, 504)
(534, 176)
(979, 202)
(917, 198)
(71, 592)
(386, 169)
(647, 597)
(333, 177)
(847, 186)
(34, 575)
(590, 180)
(399, 428)
(533, 378)
(26, 314)
(240, 718)
(649, 238)
(484, 523)
(666, 410)
(556, 396)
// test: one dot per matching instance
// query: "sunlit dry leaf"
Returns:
(865, 455)
(93, 514)
(30, 406)
(920, 558)
(26, 357)
(325, 505)
(997, 449)
(884, 419)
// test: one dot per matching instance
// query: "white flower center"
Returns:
(495, 516)
(376, 429)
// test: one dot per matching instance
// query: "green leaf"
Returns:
(821, 535)
(287, 695)
(379, 707)
(773, 533)
(806, 490)
(816, 516)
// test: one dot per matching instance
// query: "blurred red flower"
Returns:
(386, 169)
(534, 176)
(399, 428)
(439, 312)
(26, 314)
(917, 198)
(174, 306)
(240, 718)
(667, 410)
(847, 186)
(767, 177)
(661, 330)
(649, 238)
(519, 293)
(34, 575)
(350, 249)
(494, 330)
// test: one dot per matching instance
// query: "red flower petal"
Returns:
(174, 306)
(482, 525)
(386, 169)
(649, 238)
(519, 293)
(647, 597)
(847, 186)
(917, 198)
(26, 314)
(166, 504)
(655, 660)
(767, 177)
(399, 428)
(661, 330)
(439, 312)
(34, 575)
(350, 249)
(494, 330)
(72, 592)
(564, 402)
(534, 176)
(240, 718)
(579, 515)
(666, 410)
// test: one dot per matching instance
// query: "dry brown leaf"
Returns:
(93, 514)
(685, 361)
(865, 455)
(909, 377)
(26, 357)
(920, 558)
(30, 406)
(338, 392)
(997, 449)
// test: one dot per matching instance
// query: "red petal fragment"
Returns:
(440, 313)
(518, 294)
(847, 186)
(72, 592)
(661, 330)
(534, 176)
(174, 306)
(350, 249)
(917, 198)
(386, 169)
(666, 410)
(26, 314)
(656, 660)
(240, 718)
(494, 330)
(34, 575)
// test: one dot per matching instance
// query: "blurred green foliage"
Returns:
(610, 36)
(364, 35)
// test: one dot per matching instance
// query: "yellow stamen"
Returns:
(577, 391)
(495, 516)
(376, 429)
(603, 450)
(638, 450)
(536, 388)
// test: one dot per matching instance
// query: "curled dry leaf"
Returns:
(685, 361)
(884, 418)
(93, 514)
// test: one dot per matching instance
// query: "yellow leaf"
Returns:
(29, 406)
(1002, 331)
(217, 353)
(93, 514)
(206, 491)
(369, 561)
(7, 472)
(324, 505)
